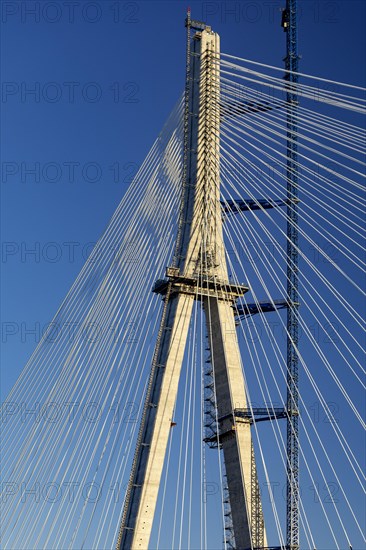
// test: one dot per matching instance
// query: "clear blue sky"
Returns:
(104, 76)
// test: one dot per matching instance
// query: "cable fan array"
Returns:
(85, 381)
(66, 467)
(331, 175)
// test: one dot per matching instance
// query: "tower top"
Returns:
(194, 24)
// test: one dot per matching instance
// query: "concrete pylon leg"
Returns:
(234, 432)
(156, 424)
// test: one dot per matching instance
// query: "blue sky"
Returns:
(105, 76)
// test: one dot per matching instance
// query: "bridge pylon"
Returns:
(199, 272)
